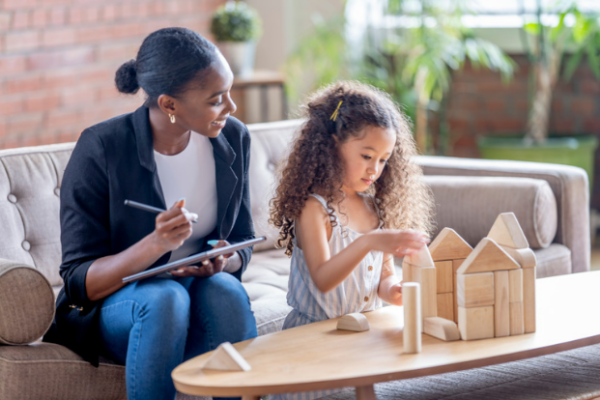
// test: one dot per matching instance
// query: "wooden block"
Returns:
(441, 328)
(501, 304)
(524, 257)
(411, 333)
(515, 284)
(529, 299)
(476, 323)
(443, 271)
(517, 323)
(486, 257)
(506, 231)
(226, 358)
(421, 259)
(445, 306)
(475, 290)
(455, 266)
(426, 277)
(353, 322)
(448, 245)
(406, 268)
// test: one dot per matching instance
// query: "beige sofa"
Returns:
(550, 201)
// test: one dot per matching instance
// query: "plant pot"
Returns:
(240, 56)
(574, 150)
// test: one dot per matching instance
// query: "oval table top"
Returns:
(317, 356)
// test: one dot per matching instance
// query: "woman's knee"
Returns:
(165, 298)
(220, 290)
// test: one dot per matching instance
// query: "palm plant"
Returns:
(413, 57)
(581, 38)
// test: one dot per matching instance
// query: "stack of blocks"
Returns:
(476, 293)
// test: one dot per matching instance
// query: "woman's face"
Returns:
(205, 109)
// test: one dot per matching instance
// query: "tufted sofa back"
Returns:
(30, 180)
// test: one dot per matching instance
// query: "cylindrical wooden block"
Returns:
(411, 299)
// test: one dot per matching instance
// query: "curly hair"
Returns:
(314, 164)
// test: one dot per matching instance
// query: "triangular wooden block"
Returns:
(421, 259)
(448, 245)
(227, 358)
(506, 231)
(487, 257)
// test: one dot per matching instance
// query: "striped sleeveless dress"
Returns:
(357, 293)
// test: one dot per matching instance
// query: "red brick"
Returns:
(127, 11)
(68, 136)
(589, 87)
(28, 141)
(60, 118)
(109, 12)
(107, 93)
(11, 143)
(47, 138)
(20, 20)
(157, 8)
(501, 126)
(583, 106)
(81, 96)
(121, 51)
(3, 131)
(39, 18)
(5, 18)
(60, 58)
(133, 29)
(20, 85)
(25, 124)
(521, 105)
(41, 102)
(23, 40)
(57, 16)
(11, 107)
(95, 34)
(61, 78)
(562, 126)
(12, 65)
(59, 37)
(458, 124)
(592, 125)
(19, 4)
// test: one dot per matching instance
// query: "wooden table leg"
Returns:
(365, 393)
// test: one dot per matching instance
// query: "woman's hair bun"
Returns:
(126, 78)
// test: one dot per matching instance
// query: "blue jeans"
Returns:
(153, 325)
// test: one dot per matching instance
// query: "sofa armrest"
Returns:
(569, 185)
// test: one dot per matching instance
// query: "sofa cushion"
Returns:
(266, 281)
(26, 303)
(52, 372)
(470, 205)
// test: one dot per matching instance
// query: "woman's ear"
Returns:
(167, 104)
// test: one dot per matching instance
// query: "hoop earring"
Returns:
(172, 118)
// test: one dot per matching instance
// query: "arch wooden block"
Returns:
(506, 231)
(441, 328)
(448, 245)
(227, 358)
(487, 257)
(353, 322)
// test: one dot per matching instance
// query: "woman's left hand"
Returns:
(208, 267)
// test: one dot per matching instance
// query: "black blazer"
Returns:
(114, 161)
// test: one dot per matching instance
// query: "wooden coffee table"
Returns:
(317, 356)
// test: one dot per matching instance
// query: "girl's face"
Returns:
(365, 157)
(205, 109)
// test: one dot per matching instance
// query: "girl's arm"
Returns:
(390, 288)
(313, 229)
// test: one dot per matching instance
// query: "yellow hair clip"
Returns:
(335, 113)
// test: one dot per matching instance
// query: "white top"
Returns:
(357, 293)
(191, 174)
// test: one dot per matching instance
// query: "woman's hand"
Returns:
(172, 227)
(397, 242)
(208, 267)
(395, 294)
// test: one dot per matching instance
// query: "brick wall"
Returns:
(480, 104)
(58, 59)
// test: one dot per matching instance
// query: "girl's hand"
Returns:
(172, 228)
(208, 267)
(397, 242)
(395, 295)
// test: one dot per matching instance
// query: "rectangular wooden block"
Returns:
(455, 266)
(443, 271)
(475, 290)
(501, 304)
(476, 323)
(517, 323)
(427, 278)
(445, 306)
(529, 299)
(515, 283)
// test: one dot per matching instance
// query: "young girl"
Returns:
(349, 199)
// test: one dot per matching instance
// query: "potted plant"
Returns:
(581, 38)
(236, 27)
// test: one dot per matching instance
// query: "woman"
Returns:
(181, 143)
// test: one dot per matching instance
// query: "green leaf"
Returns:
(592, 54)
(533, 28)
(572, 64)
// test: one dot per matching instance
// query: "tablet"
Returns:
(193, 259)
